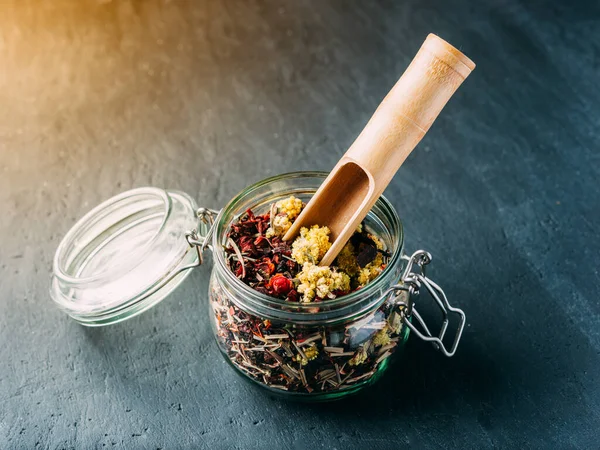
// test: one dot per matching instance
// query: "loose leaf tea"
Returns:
(258, 256)
(305, 359)
(284, 355)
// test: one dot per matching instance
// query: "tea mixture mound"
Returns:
(258, 255)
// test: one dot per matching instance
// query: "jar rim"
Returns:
(306, 308)
(63, 249)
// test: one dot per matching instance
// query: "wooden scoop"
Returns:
(400, 122)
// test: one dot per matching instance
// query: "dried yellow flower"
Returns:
(376, 240)
(315, 281)
(291, 207)
(311, 352)
(346, 260)
(282, 215)
(281, 224)
(371, 270)
(395, 322)
(299, 358)
(359, 357)
(381, 337)
(311, 245)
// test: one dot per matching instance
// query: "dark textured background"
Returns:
(97, 97)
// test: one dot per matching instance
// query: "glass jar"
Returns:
(131, 251)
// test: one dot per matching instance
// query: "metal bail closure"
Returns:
(200, 237)
(412, 282)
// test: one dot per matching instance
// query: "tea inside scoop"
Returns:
(340, 201)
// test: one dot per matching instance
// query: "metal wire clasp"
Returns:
(200, 237)
(411, 283)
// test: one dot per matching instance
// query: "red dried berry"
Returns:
(280, 284)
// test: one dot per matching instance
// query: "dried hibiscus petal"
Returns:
(262, 226)
(262, 290)
(281, 247)
(261, 241)
(239, 271)
(265, 267)
(246, 245)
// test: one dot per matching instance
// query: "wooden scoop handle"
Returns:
(400, 122)
(408, 110)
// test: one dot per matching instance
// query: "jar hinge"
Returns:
(411, 283)
(201, 236)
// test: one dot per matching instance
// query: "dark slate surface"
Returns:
(102, 96)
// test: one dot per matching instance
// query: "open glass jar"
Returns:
(132, 250)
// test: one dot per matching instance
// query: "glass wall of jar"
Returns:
(318, 350)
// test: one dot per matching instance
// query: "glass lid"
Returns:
(124, 256)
